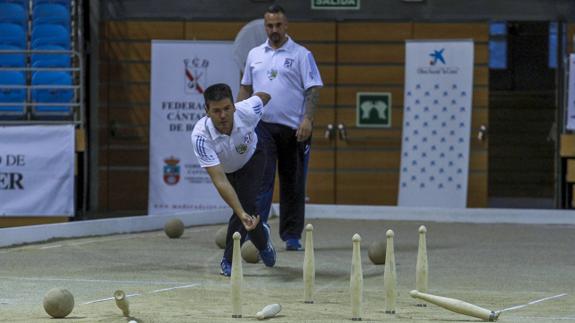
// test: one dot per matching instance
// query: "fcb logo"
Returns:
(195, 73)
(171, 171)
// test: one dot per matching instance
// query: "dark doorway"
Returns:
(521, 115)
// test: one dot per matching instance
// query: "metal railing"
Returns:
(78, 101)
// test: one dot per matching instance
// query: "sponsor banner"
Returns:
(181, 71)
(570, 122)
(436, 123)
(37, 171)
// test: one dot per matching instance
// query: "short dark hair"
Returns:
(218, 92)
(275, 8)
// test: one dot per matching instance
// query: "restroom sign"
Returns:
(373, 109)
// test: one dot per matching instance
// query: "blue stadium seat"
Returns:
(65, 3)
(23, 3)
(13, 13)
(51, 13)
(50, 34)
(11, 59)
(52, 95)
(12, 34)
(16, 96)
(51, 60)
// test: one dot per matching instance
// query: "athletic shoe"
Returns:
(268, 255)
(293, 245)
(225, 268)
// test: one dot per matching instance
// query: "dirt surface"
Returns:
(493, 266)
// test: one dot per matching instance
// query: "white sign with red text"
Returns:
(181, 71)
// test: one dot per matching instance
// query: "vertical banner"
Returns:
(436, 123)
(181, 71)
(570, 122)
(37, 170)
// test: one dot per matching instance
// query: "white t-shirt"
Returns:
(234, 151)
(285, 74)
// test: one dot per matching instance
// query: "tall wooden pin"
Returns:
(356, 279)
(122, 302)
(421, 272)
(389, 275)
(236, 277)
(308, 266)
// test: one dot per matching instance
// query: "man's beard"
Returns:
(275, 37)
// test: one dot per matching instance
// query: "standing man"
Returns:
(226, 145)
(288, 72)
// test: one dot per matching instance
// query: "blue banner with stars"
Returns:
(436, 123)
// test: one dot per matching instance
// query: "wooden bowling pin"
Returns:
(356, 279)
(122, 302)
(269, 311)
(389, 275)
(457, 306)
(308, 266)
(421, 272)
(236, 277)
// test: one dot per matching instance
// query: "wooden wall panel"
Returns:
(217, 30)
(479, 32)
(367, 188)
(312, 31)
(374, 31)
(144, 30)
(370, 59)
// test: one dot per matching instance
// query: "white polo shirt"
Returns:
(285, 74)
(234, 151)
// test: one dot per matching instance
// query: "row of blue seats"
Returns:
(28, 3)
(56, 90)
(48, 13)
(50, 31)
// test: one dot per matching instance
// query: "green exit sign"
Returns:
(335, 4)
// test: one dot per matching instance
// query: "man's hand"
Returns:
(249, 221)
(304, 130)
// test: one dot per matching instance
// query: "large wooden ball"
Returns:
(221, 237)
(174, 228)
(58, 302)
(250, 253)
(376, 252)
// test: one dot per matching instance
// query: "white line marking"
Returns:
(142, 282)
(531, 303)
(140, 294)
(108, 299)
(51, 247)
(172, 288)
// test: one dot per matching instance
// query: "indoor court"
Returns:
(495, 266)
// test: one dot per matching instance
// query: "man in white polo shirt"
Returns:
(288, 72)
(227, 146)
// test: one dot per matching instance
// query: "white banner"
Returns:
(436, 123)
(37, 170)
(570, 122)
(181, 71)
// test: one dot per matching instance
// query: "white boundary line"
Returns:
(140, 294)
(531, 303)
(134, 224)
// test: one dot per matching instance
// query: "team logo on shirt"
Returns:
(196, 70)
(288, 62)
(272, 74)
(243, 147)
(171, 170)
